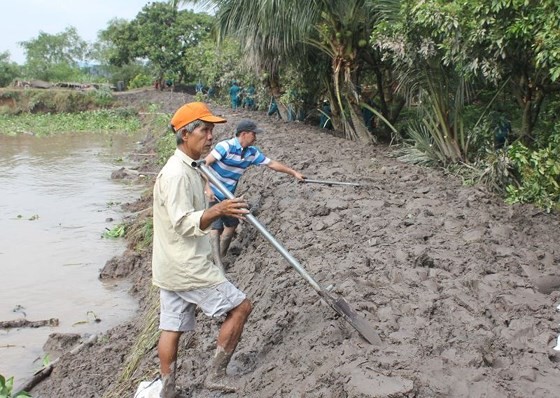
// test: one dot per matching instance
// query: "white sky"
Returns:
(22, 20)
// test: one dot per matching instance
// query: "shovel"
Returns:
(338, 304)
(329, 183)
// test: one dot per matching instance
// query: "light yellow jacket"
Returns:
(182, 254)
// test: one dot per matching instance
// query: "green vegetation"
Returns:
(55, 57)
(539, 174)
(53, 100)
(140, 233)
(449, 84)
(165, 146)
(118, 231)
(8, 70)
(46, 360)
(47, 124)
(6, 387)
(147, 234)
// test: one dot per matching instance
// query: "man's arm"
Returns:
(282, 168)
(209, 159)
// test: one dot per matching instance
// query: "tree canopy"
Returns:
(455, 69)
(160, 35)
(8, 70)
(54, 56)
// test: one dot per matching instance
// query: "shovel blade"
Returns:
(366, 330)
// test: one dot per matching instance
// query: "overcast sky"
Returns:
(22, 20)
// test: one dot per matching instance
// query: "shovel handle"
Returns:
(307, 180)
(210, 174)
(339, 305)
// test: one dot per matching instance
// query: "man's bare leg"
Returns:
(167, 351)
(225, 240)
(215, 243)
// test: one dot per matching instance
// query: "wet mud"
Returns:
(461, 287)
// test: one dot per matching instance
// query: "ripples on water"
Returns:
(56, 196)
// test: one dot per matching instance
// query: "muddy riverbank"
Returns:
(462, 288)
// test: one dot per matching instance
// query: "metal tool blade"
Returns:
(341, 306)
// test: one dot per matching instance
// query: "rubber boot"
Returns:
(168, 384)
(225, 241)
(217, 379)
(215, 242)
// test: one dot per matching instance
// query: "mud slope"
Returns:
(462, 288)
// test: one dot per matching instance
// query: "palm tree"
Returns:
(342, 27)
(274, 32)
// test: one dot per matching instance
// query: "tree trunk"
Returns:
(360, 130)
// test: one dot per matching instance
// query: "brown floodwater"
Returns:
(56, 200)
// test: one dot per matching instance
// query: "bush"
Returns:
(539, 173)
(103, 96)
(140, 80)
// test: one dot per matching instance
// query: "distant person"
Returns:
(502, 130)
(199, 87)
(325, 119)
(234, 94)
(182, 264)
(273, 108)
(249, 100)
(291, 111)
(229, 159)
(368, 115)
(211, 93)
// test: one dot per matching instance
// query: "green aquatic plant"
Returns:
(45, 124)
(7, 386)
(46, 361)
(117, 231)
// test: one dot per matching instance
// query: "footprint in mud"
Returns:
(546, 284)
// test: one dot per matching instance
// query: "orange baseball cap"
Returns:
(193, 111)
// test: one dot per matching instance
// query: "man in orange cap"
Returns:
(182, 265)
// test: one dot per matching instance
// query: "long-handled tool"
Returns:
(330, 183)
(337, 303)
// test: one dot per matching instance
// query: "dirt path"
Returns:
(462, 288)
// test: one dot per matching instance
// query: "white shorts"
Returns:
(177, 308)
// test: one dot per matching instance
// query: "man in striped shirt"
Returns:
(229, 159)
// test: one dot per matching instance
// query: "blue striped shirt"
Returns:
(231, 161)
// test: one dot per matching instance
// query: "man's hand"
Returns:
(298, 176)
(236, 207)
